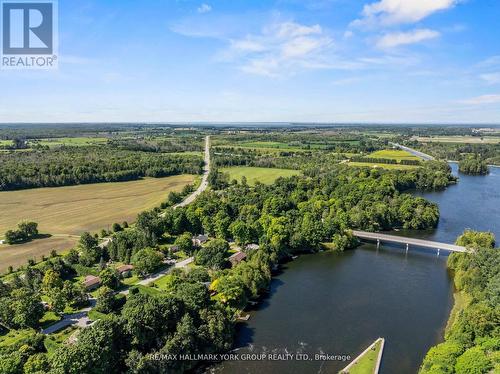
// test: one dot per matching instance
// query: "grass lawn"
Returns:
(63, 211)
(94, 315)
(366, 363)
(48, 319)
(383, 166)
(131, 280)
(5, 142)
(54, 341)
(393, 154)
(164, 282)
(253, 175)
(11, 337)
(147, 290)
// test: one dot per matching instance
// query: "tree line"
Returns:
(473, 165)
(80, 165)
(472, 339)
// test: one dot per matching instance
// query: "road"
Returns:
(204, 181)
(408, 241)
(156, 276)
(422, 155)
(81, 318)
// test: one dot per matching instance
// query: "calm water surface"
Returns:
(339, 303)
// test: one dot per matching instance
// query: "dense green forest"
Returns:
(79, 165)
(472, 339)
(473, 165)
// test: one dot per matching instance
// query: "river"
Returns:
(338, 304)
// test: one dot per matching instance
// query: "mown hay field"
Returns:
(74, 209)
(393, 154)
(253, 174)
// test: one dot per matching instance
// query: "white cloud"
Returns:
(482, 100)
(246, 45)
(489, 62)
(393, 12)
(491, 78)
(204, 8)
(281, 48)
(395, 39)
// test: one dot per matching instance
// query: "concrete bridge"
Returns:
(408, 241)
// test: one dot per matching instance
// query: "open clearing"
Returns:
(460, 139)
(86, 207)
(392, 154)
(253, 175)
(17, 255)
(78, 141)
(383, 166)
(74, 209)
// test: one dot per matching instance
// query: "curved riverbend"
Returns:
(340, 303)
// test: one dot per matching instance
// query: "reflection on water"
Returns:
(339, 303)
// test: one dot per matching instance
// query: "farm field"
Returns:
(187, 153)
(253, 174)
(460, 139)
(383, 166)
(262, 149)
(393, 154)
(271, 146)
(63, 211)
(87, 207)
(78, 141)
(17, 255)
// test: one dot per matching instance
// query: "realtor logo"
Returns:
(29, 37)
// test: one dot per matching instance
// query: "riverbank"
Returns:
(329, 301)
(471, 339)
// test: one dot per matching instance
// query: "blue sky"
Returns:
(376, 61)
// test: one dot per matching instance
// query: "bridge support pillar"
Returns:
(378, 243)
(438, 251)
(407, 247)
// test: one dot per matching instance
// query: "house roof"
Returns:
(237, 257)
(252, 246)
(91, 280)
(201, 238)
(124, 268)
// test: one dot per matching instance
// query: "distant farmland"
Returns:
(460, 139)
(393, 154)
(74, 209)
(253, 175)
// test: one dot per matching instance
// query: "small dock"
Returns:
(378, 237)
